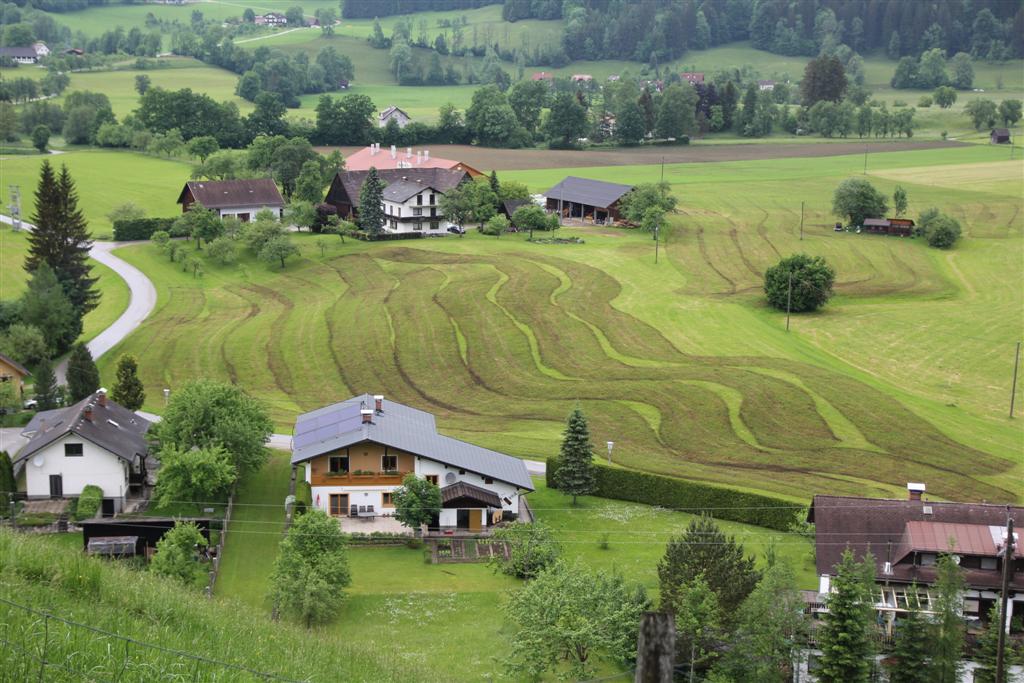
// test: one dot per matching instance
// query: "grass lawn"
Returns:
(104, 179)
(114, 292)
(680, 364)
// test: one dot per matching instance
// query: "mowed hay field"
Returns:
(904, 377)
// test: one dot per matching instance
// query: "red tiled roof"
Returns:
(381, 160)
(941, 537)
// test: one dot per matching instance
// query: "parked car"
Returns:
(30, 404)
(456, 230)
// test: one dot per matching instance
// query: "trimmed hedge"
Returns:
(386, 236)
(140, 228)
(670, 492)
(89, 502)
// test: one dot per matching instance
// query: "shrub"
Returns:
(140, 228)
(89, 502)
(925, 101)
(799, 283)
(943, 232)
(303, 497)
(669, 492)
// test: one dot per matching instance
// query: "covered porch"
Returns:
(467, 509)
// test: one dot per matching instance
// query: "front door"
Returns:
(474, 520)
(56, 486)
(339, 504)
(462, 519)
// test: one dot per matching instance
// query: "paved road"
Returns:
(141, 304)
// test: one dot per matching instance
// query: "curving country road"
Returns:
(140, 305)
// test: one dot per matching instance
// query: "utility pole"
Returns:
(15, 207)
(657, 242)
(656, 648)
(1004, 603)
(865, 159)
(663, 164)
(801, 221)
(1013, 390)
(789, 300)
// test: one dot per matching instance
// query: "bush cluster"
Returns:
(696, 497)
(386, 236)
(140, 228)
(303, 497)
(89, 502)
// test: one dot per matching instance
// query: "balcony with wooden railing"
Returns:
(358, 478)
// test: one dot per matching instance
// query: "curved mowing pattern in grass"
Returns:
(493, 339)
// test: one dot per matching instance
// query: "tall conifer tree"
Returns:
(576, 467)
(83, 377)
(910, 649)
(371, 203)
(846, 639)
(128, 389)
(61, 238)
(45, 386)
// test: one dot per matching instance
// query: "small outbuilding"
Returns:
(241, 199)
(586, 199)
(509, 206)
(901, 227)
(126, 537)
(1000, 136)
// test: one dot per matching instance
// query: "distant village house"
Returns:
(542, 76)
(19, 55)
(693, 77)
(271, 19)
(766, 86)
(14, 372)
(241, 199)
(395, 113)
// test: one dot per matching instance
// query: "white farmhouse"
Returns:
(41, 49)
(395, 113)
(241, 199)
(356, 453)
(94, 441)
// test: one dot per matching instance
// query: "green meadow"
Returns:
(114, 292)
(903, 377)
(429, 612)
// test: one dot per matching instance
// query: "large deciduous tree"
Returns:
(571, 614)
(703, 549)
(311, 570)
(824, 79)
(128, 390)
(61, 239)
(799, 283)
(196, 475)
(566, 121)
(676, 111)
(857, 199)
(205, 413)
(417, 502)
(846, 637)
(490, 118)
(82, 375)
(576, 458)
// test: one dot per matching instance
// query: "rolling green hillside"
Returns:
(904, 377)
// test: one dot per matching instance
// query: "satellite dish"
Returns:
(449, 478)
(38, 460)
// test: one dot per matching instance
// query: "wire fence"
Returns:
(42, 646)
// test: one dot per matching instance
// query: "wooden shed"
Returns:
(1000, 136)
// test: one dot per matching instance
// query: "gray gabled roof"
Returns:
(112, 427)
(398, 426)
(403, 189)
(586, 191)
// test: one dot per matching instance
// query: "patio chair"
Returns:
(369, 509)
(362, 509)
(354, 511)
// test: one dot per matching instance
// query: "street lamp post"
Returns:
(611, 445)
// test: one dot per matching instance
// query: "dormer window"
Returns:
(927, 559)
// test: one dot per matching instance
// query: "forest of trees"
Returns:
(368, 9)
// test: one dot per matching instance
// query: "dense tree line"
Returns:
(368, 9)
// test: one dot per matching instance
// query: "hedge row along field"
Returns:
(689, 496)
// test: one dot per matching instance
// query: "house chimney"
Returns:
(101, 397)
(367, 415)
(408, 152)
(419, 157)
(394, 151)
(87, 412)
(378, 403)
(915, 490)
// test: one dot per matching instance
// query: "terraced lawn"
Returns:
(905, 377)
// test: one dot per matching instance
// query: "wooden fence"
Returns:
(215, 567)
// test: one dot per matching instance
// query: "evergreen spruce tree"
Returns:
(948, 639)
(910, 648)
(45, 386)
(495, 185)
(575, 463)
(83, 377)
(846, 637)
(988, 643)
(371, 203)
(61, 238)
(128, 389)
(8, 484)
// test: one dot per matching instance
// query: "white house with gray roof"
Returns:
(356, 453)
(94, 441)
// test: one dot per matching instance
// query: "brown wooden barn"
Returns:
(585, 199)
(1000, 136)
(901, 227)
